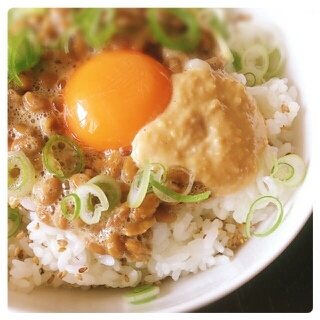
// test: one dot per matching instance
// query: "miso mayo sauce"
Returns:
(211, 126)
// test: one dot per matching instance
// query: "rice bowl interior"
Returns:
(196, 290)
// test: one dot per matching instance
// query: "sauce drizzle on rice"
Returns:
(233, 131)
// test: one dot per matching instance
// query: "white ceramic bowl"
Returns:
(198, 290)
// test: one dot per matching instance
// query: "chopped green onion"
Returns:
(261, 203)
(63, 41)
(162, 195)
(110, 187)
(139, 186)
(62, 157)
(220, 32)
(24, 52)
(282, 171)
(276, 63)
(142, 294)
(255, 60)
(158, 172)
(177, 173)
(97, 24)
(183, 171)
(93, 202)
(16, 14)
(177, 196)
(250, 79)
(70, 206)
(290, 170)
(155, 179)
(187, 41)
(224, 48)
(212, 20)
(21, 174)
(14, 221)
(218, 25)
(236, 60)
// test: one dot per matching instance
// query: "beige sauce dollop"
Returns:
(212, 126)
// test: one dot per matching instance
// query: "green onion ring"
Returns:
(177, 196)
(282, 171)
(251, 79)
(62, 156)
(97, 32)
(110, 187)
(139, 186)
(236, 60)
(14, 221)
(164, 196)
(142, 294)
(93, 202)
(258, 204)
(255, 59)
(21, 174)
(71, 201)
(276, 63)
(289, 170)
(159, 172)
(187, 41)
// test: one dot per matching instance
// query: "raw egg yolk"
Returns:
(111, 96)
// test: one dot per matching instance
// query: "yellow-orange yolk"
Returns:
(110, 97)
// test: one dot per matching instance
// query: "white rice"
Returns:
(196, 241)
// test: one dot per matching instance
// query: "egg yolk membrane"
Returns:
(111, 96)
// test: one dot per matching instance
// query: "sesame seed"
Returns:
(83, 269)
(16, 251)
(50, 280)
(62, 274)
(35, 260)
(62, 242)
(20, 234)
